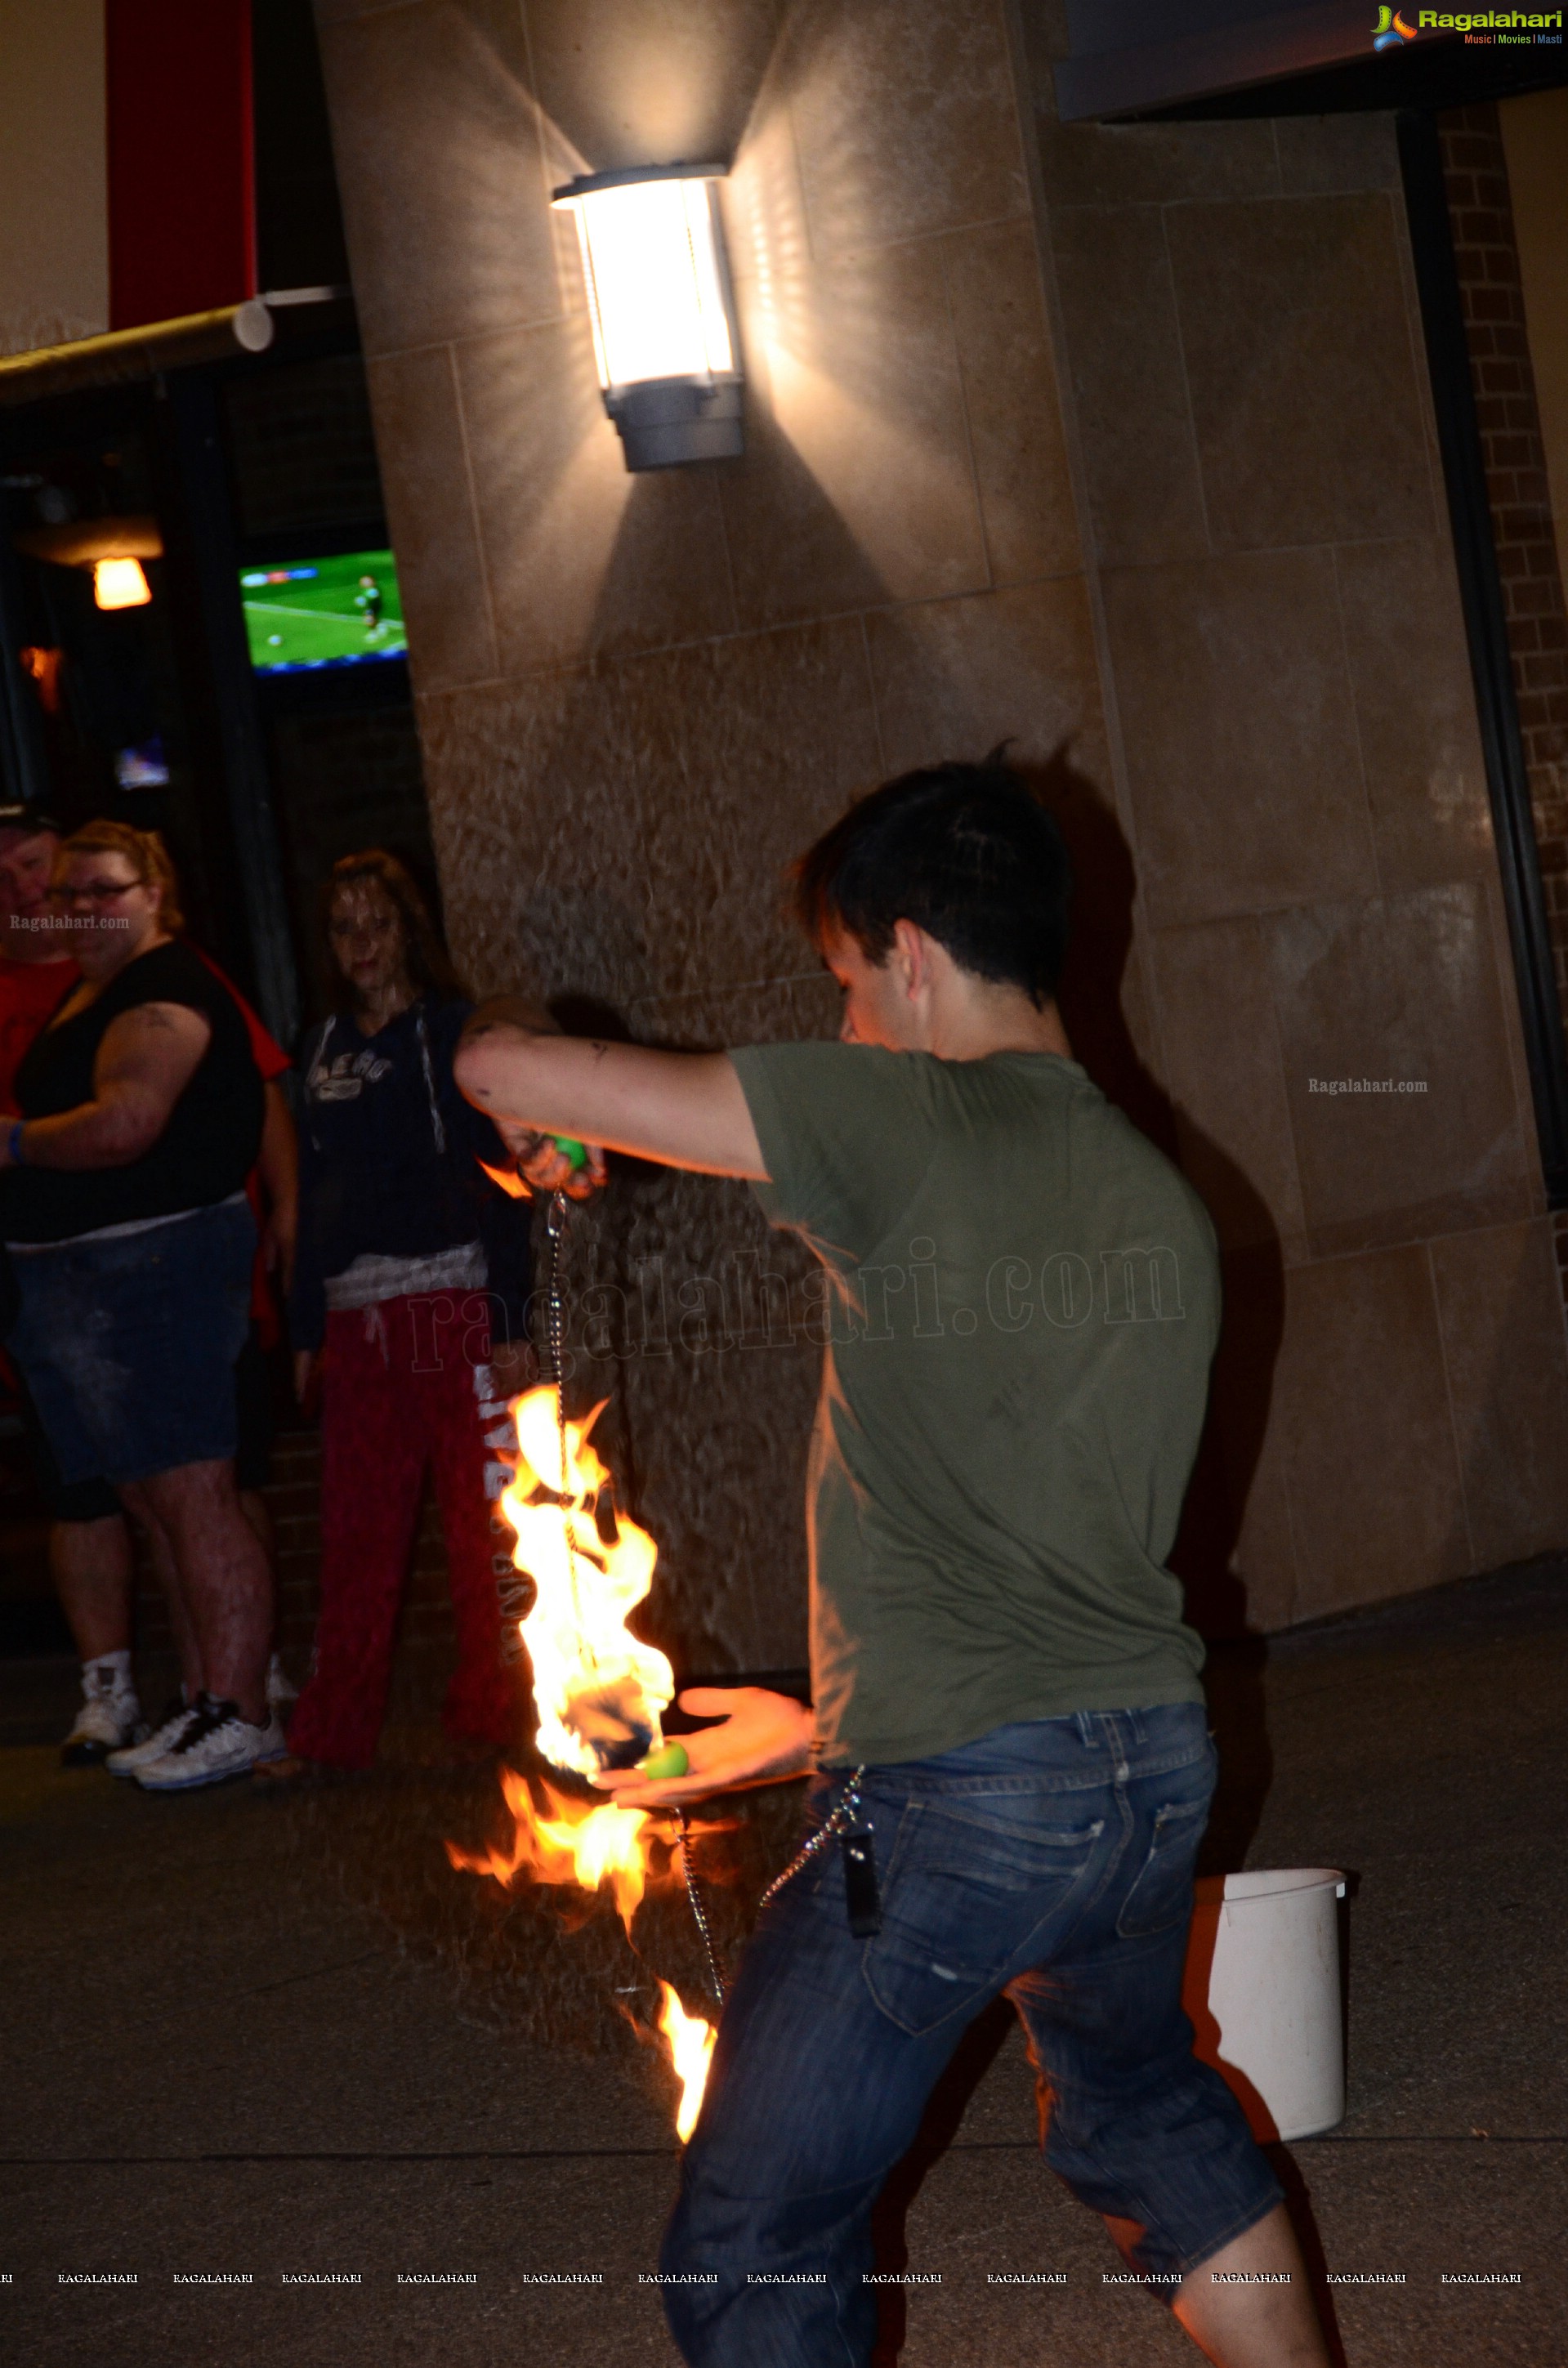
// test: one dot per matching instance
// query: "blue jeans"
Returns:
(129, 1345)
(1052, 1860)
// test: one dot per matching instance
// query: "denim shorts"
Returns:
(129, 1345)
(1052, 1861)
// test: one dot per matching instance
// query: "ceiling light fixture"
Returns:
(120, 584)
(662, 315)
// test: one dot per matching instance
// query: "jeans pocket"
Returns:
(1161, 1891)
(960, 1899)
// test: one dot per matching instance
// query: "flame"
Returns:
(690, 2038)
(509, 1180)
(599, 1691)
(592, 1848)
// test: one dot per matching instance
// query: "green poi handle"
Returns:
(575, 1154)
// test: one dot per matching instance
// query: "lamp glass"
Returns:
(655, 289)
(120, 584)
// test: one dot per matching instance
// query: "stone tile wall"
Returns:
(1297, 768)
(1112, 443)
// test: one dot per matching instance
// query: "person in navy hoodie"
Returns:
(411, 1268)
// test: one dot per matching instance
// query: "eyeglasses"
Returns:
(95, 892)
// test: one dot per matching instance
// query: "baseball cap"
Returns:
(28, 818)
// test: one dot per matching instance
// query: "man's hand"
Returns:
(543, 1165)
(764, 1740)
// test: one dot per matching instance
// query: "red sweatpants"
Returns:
(397, 1393)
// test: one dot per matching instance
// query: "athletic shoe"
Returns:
(111, 1717)
(175, 1717)
(279, 1692)
(214, 1746)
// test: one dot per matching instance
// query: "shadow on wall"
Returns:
(1091, 998)
(1242, 1384)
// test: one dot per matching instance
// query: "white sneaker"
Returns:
(213, 1745)
(110, 1716)
(176, 1717)
(278, 1689)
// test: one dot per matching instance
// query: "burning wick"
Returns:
(599, 1691)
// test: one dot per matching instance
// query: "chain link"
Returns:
(555, 1226)
(715, 1978)
(841, 1820)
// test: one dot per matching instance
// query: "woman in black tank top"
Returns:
(123, 1205)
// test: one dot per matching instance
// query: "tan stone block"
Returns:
(904, 117)
(419, 442)
(1240, 734)
(1362, 1415)
(1224, 1069)
(1415, 712)
(1123, 354)
(1323, 153)
(1009, 387)
(1507, 1371)
(954, 678)
(583, 559)
(1300, 369)
(1401, 988)
(440, 167)
(535, 814)
(858, 485)
(624, 83)
(753, 747)
(793, 1008)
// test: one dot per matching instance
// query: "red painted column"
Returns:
(181, 163)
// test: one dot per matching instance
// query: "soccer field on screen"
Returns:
(323, 612)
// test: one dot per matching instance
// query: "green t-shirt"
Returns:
(1020, 1299)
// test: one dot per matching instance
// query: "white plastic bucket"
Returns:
(1262, 1990)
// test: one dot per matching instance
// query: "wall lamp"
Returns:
(111, 548)
(662, 315)
(120, 584)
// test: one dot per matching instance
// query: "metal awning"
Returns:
(1140, 57)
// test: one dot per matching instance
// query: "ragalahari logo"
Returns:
(1391, 30)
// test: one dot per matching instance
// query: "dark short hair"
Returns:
(430, 966)
(966, 853)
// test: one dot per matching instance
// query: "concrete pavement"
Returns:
(284, 2041)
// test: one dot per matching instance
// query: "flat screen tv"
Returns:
(305, 614)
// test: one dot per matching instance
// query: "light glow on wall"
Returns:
(120, 584)
(659, 301)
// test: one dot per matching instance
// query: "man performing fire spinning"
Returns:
(1013, 1766)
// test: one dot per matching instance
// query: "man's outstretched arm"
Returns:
(686, 1110)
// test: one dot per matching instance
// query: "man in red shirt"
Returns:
(36, 967)
(89, 1546)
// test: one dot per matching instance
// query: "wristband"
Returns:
(14, 1143)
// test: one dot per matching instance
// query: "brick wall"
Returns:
(1476, 174)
